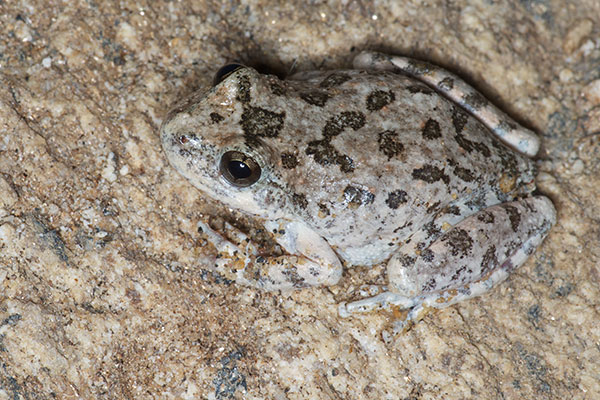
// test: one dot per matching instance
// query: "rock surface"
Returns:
(106, 289)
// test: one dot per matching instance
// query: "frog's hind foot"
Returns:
(407, 311)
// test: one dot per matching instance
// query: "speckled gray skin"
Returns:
(454, 88)
(365, 166)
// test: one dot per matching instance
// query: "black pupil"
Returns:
(239, 169)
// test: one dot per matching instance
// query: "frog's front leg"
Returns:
(310, 260)
(465, 261)
(460, 92)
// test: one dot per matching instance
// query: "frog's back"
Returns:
(383, 154)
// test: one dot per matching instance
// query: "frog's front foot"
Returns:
(239, 260)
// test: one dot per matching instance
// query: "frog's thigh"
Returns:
(466, 261)
(460, 92)
(484, 247)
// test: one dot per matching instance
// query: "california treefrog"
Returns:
(395, 161)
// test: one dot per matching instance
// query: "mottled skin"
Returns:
(366, 166)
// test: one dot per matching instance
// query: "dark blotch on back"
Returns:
(431, 130)
(346, 119)
(378, 99)
(469, 145)
(324, 153)
(396, 198)
(289, 160)
(430, 174)
(389, 143)
(315, 98)
(459, 119)
(256, 121)
(358, 196)
(243, 93)
(216, 117)
(334, 79)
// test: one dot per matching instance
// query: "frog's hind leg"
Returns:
(458, 91)
(465, 261)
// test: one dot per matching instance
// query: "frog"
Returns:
(394, 162)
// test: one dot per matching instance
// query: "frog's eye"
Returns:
(239, 169)
(225, 71)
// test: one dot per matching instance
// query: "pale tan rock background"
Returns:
(105, 285)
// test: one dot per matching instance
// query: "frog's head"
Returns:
(217, 139)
